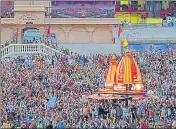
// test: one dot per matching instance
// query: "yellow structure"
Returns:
(121, 75)
(153, 20)
(134, 18)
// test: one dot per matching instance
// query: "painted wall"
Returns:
(145, 34)
(152, 47)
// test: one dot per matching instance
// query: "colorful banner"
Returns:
(83, 9)
(7, 9)
(151, 47)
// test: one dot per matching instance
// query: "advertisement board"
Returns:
(83, 9)
(151, 47)
(7, 9)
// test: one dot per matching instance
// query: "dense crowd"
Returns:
(51, 92)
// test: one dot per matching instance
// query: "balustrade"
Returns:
(20, 49)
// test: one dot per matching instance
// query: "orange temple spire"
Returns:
(122, 74)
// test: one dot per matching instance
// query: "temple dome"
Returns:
(128, 71)
(122, 74)
(110, 75)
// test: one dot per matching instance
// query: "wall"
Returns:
(134, 35)
(152, 47)
(7, 34)
(86, 49)
(83, 34)
(142, 34)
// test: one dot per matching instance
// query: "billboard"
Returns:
(152, 47)
(7, 9)
(83, 9)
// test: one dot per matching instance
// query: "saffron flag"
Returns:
(120, 30)
(48, 32)
(125, 43)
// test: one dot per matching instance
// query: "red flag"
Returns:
(48, 32)
(113, 40)
(120, 30)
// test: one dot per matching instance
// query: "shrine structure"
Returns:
(123, 80)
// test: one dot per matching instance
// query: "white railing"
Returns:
(20, 49)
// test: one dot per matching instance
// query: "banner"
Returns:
(83, 9)
(151, 47)
(6, 9)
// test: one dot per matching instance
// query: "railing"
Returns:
(21, 49)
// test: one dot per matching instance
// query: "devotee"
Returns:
(51, 92)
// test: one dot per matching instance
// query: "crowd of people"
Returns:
(51, 92)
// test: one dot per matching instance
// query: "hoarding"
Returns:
(83, 9)
(7, 9)
(152, 47)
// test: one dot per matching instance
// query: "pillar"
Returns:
(66, 36)
(20, 35)
(90, 37)
(90, 29)
(67, 29)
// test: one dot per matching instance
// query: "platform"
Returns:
(120, 97)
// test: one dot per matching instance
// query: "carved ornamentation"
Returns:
(29, 17)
